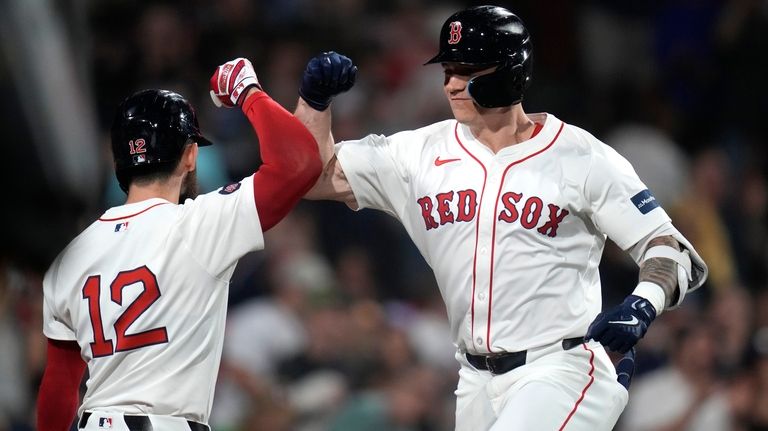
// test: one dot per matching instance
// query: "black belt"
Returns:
(142, 423)
(503, 362)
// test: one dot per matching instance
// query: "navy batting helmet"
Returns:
(488, 36)
(150, 131)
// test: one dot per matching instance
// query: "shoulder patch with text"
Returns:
(645, 201)
(229, 188)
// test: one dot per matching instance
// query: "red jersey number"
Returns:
(104, 347)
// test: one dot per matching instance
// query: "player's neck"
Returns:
(501, 128)
(167, 191)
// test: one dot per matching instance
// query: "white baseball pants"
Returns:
(573, 390)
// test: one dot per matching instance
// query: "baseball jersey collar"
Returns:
(130, 210)
(523, 149)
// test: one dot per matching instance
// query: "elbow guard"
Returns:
(684, 270)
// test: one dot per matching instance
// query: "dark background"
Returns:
(678, 87)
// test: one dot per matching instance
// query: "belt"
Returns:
(504, 362)
(142, 423)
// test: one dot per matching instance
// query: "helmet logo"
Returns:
(455, 35)
(137, 147)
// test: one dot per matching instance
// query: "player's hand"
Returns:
(621, 327)
(326, 75)
(231, 81)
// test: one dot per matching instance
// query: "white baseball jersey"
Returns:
(514, 238)
(143, 290)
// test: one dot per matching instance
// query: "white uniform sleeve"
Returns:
(372, 167)
(621, 206)
(57, 324)
(221, 226)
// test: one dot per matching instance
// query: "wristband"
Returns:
(653, 293)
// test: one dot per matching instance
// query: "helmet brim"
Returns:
(436, 59)
(202, 141)
(458, 57)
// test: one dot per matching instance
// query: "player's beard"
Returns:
(189, 187)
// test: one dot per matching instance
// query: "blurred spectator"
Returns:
(264, 331)
(22, 356)
(749, 224)
(166, 40)
(732, 323)
(656, 158)
(741, 400)
(427, 328)
(759, 415)
(14, 396)
(400, 404)
(685, 395)
(355, 274)
(698, 215)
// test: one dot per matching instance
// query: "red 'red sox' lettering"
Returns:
(529, 215)
(467, 205)
(443, 200)
(426, 212)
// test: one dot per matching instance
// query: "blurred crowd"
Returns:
(338, 324)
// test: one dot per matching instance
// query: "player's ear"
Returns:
(189, 157)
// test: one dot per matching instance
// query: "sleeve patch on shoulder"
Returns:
(229, 188)
(645, 201)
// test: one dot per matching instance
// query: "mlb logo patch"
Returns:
(229, 189)
(105, 423)
(645, 201)
(121, 227)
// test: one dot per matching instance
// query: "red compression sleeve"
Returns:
(291, 159)
(59, 391)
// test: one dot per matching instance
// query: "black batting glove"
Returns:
(326, 75)
(621, 327)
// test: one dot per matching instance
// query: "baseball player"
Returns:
(511, 210)
(139, 297)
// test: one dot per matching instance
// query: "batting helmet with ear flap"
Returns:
(486, 36)
(150, 131)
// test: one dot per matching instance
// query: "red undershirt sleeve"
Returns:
(291, 159)
(59, 390)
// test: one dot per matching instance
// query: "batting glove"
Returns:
(231, 81)
(326, 75)
(621, 327)
(625, 369)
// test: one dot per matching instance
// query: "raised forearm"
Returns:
(319, 125)
(289, 153)
(662, 271)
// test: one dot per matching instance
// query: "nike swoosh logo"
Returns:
(439, 162)
(632, 322)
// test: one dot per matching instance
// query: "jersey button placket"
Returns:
(483, 268)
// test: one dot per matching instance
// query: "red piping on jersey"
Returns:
(536, 129)
(477, 225)
(583, 391)
(133, 215)
(493, 238)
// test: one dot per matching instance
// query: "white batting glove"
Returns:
(231, 81)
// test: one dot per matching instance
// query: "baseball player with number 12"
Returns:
(511, 210)
(140, 296)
